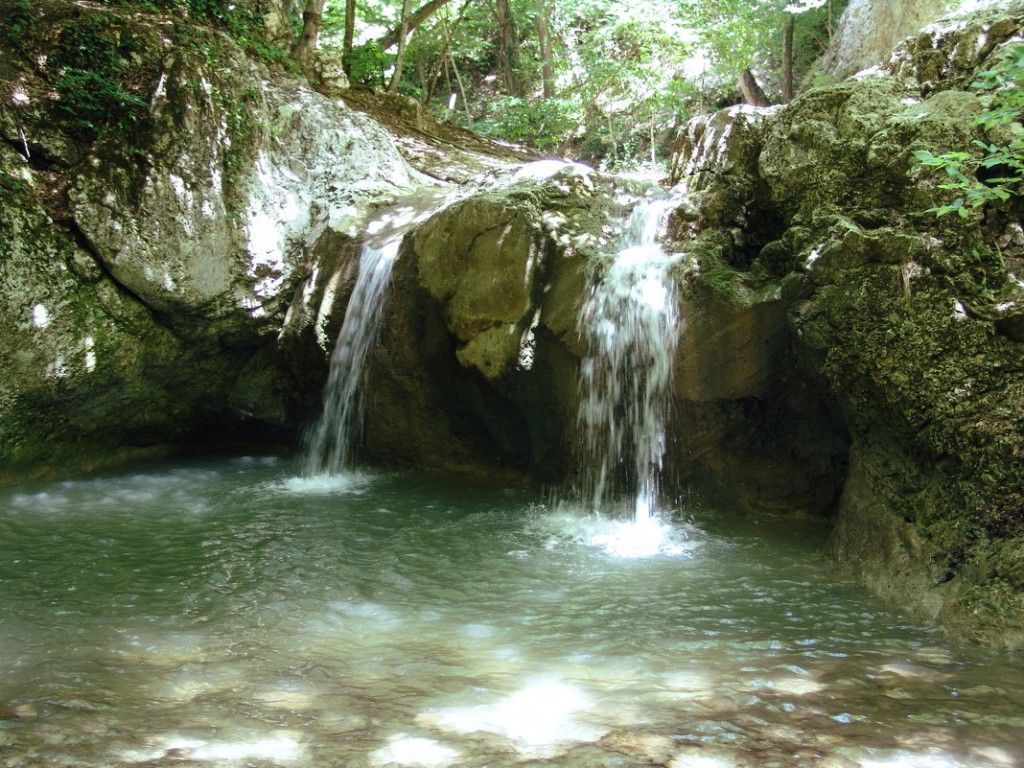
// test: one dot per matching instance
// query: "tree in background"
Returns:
(769, 44)
(600, 79)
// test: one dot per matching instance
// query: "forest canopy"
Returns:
(606, 81)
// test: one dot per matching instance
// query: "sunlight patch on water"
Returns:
(692, 685)
(694, 759)
(792, 686)
(538, 719)
(279, 748)
(414, 752)
(379, 615)
(903, 759)
(187, 686)
(168, 650)
(287, 698)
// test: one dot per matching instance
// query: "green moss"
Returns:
(241, 19)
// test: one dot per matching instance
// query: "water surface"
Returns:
(232, 614)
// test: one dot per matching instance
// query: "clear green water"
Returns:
(225, 614)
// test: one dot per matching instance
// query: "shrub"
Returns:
(996, 173)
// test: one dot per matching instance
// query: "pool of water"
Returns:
(230, 614)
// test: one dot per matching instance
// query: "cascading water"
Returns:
(631, 324)
(330, 443)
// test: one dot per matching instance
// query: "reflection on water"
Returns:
(225, 614)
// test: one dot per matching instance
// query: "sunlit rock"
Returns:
(414, 752)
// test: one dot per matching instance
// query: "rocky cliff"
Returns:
(164, 196)
(903, 324)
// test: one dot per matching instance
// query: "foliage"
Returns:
(367, 64)
(543, 123)
(997, 172)
(740, 34)
(239, 18)
(625, 75)
(12, 185)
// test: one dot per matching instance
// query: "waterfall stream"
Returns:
(331, 441)
(631, 322)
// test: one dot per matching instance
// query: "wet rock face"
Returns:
(149, 264)
(479, 353)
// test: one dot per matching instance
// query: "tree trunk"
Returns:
(417, 17)
(312, 15)
(787, 58)
(462, 88)
(508, 47)
(396, 77)
(544, 41)
(752, 93)
(449, 36)
(350, 31)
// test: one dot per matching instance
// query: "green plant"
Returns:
(542, 123)
(997, 172)
(241, 19)
(366, 65)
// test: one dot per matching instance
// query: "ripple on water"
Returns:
(280, 747)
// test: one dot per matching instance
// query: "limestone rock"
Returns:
(479, 353)
(948, 53)
(870, 29)
(237, 186)
(149, 263)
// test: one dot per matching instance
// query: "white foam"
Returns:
(344, 482)
(630, 539)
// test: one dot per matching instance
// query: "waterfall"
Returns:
(331, 441)
(631, 323)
